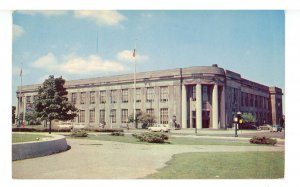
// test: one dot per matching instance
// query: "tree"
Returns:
(144, 118)
(32, 118)
(248, 118)
(52, 103)
(13, 114)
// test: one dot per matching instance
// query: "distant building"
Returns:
(201, 96)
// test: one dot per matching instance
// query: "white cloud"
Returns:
(103, 17)
(17, 31)
(48, 62)
(127, 56)
(73, 64)
(42, 12)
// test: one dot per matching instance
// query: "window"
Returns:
(92, 116)
(102, 116)
(150, 111)
(247, 100)
(137, 111)
(125, 96)
(124, 115)
(150, 94)
(28, 99)
(242, 98)
(204, 93)
(164, 94)
(102, 97)
(251, 100)
(255, 101)
(92, 97)
(113, 97)
(138, 95)
(194, 93)
(35, 98)
(113, 116)
(82, 98)
(81, 116)
(73, 98)
(164, 116)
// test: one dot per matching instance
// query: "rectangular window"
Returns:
(102, 116)
(124, 115)
(138, 95)
(113, 116)
(164, 94)
(113, 97)
(35, 98)
(82, 98)
(92, 116)
(92, 97)
(102, 97)
(150, 94)
(242, 98)
(194, 93)
(247, 100)
(164, 116)
(137, 111)
(28, 99)
(251, 100)
(81, 116)
(150, 111)
(73, 98)
(204, 94)
(125, 96)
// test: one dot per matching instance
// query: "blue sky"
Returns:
(83, 44)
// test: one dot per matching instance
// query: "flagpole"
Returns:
(20, 96)
(134, 85)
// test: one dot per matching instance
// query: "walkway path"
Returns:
(93, 159)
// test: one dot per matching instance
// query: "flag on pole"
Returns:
(133, 53)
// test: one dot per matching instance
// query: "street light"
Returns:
(236, 119)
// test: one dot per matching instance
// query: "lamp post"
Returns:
(236, 120)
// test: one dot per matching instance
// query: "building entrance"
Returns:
(205, 119)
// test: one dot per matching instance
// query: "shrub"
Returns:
(25, 129)
(263, 140)
(117, 133)
(151, 137)
(108, 130)
(79, 133)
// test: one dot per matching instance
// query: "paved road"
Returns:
(93, 159)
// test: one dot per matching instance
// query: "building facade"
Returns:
(202, 97)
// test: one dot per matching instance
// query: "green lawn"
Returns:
(17, 138)
(172, 141)
(217, 165)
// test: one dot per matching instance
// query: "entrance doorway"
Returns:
(205, 119)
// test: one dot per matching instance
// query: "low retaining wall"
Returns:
(25, 150)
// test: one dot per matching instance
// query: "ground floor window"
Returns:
(124, 115)
(102, 116)
(92, 116)
(164, 116)
(81, 116)
(113, 115)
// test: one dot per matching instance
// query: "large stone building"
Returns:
(201, 96)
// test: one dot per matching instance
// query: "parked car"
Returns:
(276, 128)
(159, 128)
(265, 127)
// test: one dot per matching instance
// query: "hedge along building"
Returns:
(201, 96)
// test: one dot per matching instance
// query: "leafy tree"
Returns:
(52, 103)
(144, 118)
(32, 118)
(13, 114)
(248, 118)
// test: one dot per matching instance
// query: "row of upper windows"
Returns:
(113, 95)
(124, 115)
(251, 100)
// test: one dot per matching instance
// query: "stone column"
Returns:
(198, 106)
(183, 107)
(222, 108)
(215, 107)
